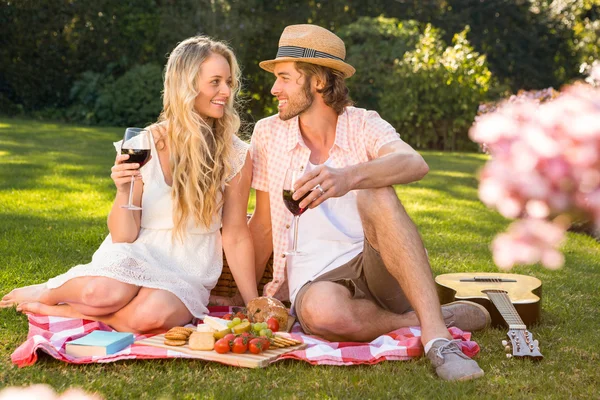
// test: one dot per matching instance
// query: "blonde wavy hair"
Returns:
(200, 150)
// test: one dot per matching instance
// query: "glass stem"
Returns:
(296, 221)
(131, 191)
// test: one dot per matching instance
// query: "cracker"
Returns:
(181, 329)
(169, 342)
(289, 340)
(176, 336)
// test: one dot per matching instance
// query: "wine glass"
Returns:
(291, 176)
(136, 143)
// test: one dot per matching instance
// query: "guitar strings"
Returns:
(503, 301)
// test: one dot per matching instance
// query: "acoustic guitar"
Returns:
(512, 300)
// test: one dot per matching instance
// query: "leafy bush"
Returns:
(428, 91)
(7, 107)
(84, 94)
(526, 45)
(373, 44)
(134, 99)
(436, 91)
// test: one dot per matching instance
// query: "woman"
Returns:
(157, 266)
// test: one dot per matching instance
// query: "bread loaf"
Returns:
(261, 309)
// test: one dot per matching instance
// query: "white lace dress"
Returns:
(188, 269)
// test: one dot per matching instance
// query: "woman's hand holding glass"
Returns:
(135, 152)
(122, 172)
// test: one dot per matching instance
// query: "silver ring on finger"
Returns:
(320, 189)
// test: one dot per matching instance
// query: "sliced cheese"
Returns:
(218, 324)
(205, 328)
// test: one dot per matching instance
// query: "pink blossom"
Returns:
(529, 241)
(544, 168)
(44, 392)
(537, 208)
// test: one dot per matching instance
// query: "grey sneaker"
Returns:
(450, 363)
(466, 315)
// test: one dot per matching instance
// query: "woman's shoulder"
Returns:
(238, 156)
(158, 128)
(239, 144)
(158, 131)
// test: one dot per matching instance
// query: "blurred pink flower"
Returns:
(44, 392)
(529, 241)
(545, 163)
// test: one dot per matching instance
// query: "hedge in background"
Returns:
(429, 91)
(372, 46)
(133, 99)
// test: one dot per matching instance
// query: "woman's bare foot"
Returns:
(28, 294)
(61, 310)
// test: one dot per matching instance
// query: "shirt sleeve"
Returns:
(260, 173)
(378, 133)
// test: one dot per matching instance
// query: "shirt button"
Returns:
(287, 227)
(283, 256)
(276, 281)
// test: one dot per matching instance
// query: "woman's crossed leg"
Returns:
(150, 311)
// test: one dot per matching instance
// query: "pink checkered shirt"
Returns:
(278, 145)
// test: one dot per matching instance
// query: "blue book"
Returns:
(99, 343)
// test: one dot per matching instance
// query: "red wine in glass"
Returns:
(291, 176)
(137, 156)
(136, 143)
(294, 205)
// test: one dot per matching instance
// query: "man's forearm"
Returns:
(388, 170)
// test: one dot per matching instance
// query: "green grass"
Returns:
(55, 193)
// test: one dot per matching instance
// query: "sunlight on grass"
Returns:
(55, 194)
(452, 174)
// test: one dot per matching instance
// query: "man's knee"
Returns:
(378, 209)
(326, 310)
(376, 203)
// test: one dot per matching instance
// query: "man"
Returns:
(363, 267)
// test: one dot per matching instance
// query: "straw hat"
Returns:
(311, 44)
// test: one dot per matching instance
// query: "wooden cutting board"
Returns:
(247, 360)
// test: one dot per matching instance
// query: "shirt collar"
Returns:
(341, 132)
(294, 135)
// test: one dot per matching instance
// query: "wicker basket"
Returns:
(226, 285)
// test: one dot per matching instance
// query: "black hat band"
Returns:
(303, 52)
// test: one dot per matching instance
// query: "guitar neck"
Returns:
(506, 308)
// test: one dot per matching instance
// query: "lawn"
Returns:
(55, 193)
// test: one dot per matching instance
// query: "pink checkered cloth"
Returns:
(50, 334)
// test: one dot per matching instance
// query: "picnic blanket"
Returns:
(50, 334)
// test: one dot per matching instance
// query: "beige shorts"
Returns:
(366, 277)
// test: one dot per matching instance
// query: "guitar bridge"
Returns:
(487, 279)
